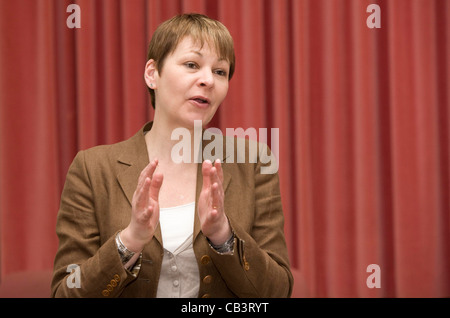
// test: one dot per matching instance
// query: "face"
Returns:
(192, 84)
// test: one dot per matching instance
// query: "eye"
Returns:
(220, 72)
(191, 65)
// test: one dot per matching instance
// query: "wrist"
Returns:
(225, 248)
(222, 236)
(130, 243)
(125, 254)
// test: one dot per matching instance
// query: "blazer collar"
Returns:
(133, 158)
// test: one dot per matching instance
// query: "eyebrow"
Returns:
(201, 55)
(196, 52)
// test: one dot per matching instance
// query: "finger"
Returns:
(146, 215)
(142, 176)
(153, 165)
(147, 172)
(216, 198)
(206, 171)
(216, 193)
(214, 177)
(155, 186)
(212, 216)
(218, 166)
(150, 212)
(142, 194)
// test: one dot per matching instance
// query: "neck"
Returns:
(160, 144)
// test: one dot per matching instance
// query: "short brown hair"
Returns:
(201, 28)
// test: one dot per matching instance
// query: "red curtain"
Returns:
(363, 116)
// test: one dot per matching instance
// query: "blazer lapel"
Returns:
(132, 158)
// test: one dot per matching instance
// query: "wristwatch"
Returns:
(124, 253)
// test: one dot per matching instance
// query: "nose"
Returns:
(206, 78)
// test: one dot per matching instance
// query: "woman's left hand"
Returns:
(213, 221)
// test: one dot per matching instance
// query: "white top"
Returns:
(179, 275)
(177, 224)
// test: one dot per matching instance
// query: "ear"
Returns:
(151, 74)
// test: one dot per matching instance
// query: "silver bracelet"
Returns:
(124, 253)
(224, 248)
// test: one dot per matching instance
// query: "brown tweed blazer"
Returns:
(96, 204)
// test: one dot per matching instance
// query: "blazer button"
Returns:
(109, 287)
(113, 283)
(206, 296)
(105, 293)
(207, 279)
(205, 260)
(246, 264)
(117, 278)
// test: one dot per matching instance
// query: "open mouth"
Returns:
(203, 101)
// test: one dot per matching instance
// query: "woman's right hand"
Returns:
(145, 210)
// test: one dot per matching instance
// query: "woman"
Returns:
(134, 223)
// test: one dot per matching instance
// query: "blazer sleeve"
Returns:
(101, 272)
(259, 265)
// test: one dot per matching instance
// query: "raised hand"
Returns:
(213, 221)
(145, 209)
